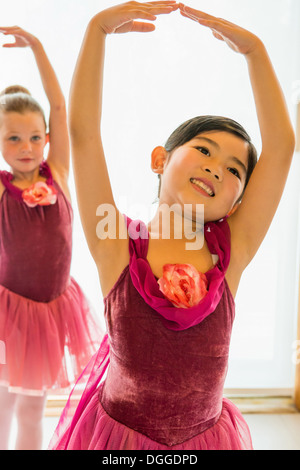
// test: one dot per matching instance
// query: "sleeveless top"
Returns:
(35, 242)
(167, 365)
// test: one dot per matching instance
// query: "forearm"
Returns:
(87, 85)
(274, 121)
(49, 80)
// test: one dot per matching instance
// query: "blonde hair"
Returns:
(17, 99)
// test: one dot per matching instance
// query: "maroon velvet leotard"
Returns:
(35, 243)
(165, 366)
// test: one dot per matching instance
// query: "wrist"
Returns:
(258, 50)
(95, 24)
(35, 44)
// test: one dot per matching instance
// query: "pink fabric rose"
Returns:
(183, 285)
(39, 194)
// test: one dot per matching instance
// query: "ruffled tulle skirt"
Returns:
(45, 345)
(96, 430)
(84, 424)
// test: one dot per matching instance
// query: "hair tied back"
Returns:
(13, 89)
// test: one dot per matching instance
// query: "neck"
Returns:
(29, 176)
(176, 223)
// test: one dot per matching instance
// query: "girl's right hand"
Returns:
(22, 37)
(121, 18)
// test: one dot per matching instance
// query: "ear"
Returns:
(158, 159)
(47, 138)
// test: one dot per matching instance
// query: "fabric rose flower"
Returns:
(183, 285)
(40, 194)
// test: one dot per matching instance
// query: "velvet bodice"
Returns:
(165, 378)
(35, 242)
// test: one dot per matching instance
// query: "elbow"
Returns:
(78, 134)
(73, 130)
(287, 144)
(59, 105)
(75, 127)
(76, 122)
(281, 148)
(81, 129)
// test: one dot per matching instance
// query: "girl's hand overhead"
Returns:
(122, 18)
(238, 39)
(22, 37)
(251, 221)
(59, 153)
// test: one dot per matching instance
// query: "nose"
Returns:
(215, 172)
(26, 147)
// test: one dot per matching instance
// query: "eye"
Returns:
(203, 150)
(14, 138)
(235, 172)
(36, 138)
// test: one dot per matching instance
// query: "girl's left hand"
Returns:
(22, 38)
(238, 39)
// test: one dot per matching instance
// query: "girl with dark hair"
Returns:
(157, 380)
(201, 124)
(45, 321)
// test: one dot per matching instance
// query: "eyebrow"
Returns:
(212, 142)
(217, 146)
(18, 132)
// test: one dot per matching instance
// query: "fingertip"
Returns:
(139, 27)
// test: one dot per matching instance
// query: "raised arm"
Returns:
(250, 223)
(91, 175)
(59, 148)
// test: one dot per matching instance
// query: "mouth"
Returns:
(201, 185)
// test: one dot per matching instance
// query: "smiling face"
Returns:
(210, 169)
(22, 140)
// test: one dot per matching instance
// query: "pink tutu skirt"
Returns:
(45, 345)
(84, 424)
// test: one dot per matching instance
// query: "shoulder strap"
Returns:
(217, 236)
(46, 172)
(138, 237)
(6, 178)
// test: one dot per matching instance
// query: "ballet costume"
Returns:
(157, 380)
(46, 323)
